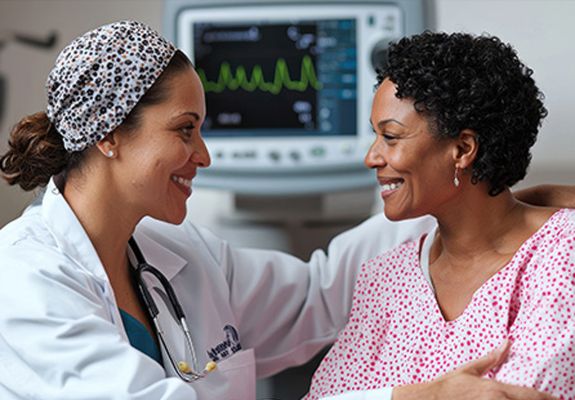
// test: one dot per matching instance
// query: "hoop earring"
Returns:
(110, 153)
(456, 177)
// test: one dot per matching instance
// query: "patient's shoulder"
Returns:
(550, 252)
(393, 264)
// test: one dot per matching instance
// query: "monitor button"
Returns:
(295, 155)
(379, 54)
(347, 148)
(274, 155)
(318, 151)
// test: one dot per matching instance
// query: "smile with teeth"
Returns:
(391, 186)
(182, 181)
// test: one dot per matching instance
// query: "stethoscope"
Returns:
(187, 372)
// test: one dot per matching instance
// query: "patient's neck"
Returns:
(475, 222)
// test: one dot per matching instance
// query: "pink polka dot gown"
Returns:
(397, 335)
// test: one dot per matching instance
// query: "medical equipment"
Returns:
(185, 371)
(288, 87)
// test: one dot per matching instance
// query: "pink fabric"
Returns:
(397, 335)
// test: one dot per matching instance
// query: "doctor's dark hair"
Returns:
(36, 150)
(459, 81)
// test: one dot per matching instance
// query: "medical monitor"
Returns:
(288, 89)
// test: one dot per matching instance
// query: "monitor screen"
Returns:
(278, 78)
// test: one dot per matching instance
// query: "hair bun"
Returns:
(36, 153)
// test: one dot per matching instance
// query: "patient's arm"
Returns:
(467, 383)
(562, 196)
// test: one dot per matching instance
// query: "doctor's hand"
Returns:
(467, 383)
(560, 196)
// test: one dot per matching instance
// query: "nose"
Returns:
(201, 156)
(374, 157)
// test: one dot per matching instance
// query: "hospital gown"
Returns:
(397, 334)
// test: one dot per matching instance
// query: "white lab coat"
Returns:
(61, 335)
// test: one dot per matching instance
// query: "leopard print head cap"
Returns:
(99, 78)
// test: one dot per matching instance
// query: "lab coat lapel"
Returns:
(168, 262)
(69, 233)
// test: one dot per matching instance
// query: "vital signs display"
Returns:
(292, 78)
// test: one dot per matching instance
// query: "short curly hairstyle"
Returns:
(460, 81)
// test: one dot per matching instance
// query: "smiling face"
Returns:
(157, 162)
(414, 169)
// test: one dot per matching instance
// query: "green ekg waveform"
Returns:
(227, 80)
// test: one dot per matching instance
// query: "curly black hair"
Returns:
(460, 81)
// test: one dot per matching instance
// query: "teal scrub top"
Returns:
(140, 338)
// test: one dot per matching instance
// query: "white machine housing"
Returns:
(294, 164)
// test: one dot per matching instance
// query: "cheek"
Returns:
(147, 166)
(401, 160)
(436, 173)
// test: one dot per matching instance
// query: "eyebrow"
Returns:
(384, 122)
(195, 115)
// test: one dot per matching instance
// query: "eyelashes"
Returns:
(187, 131)
(387, 137)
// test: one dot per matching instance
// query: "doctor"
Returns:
(96, 297)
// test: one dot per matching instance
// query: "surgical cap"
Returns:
(99, 78)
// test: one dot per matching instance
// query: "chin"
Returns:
(395, 215)
(175, 217)
(402, 215)
(178, 219)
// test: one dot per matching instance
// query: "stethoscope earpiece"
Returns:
(210, 366)
(184, 367)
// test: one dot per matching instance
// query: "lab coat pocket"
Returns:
(240, 371)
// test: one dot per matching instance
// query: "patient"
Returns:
(455, 117)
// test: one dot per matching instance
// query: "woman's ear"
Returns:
(108, 146)
(465, 150)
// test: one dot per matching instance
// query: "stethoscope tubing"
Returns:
(144, 267)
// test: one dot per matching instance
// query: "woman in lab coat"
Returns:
(119, 143)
